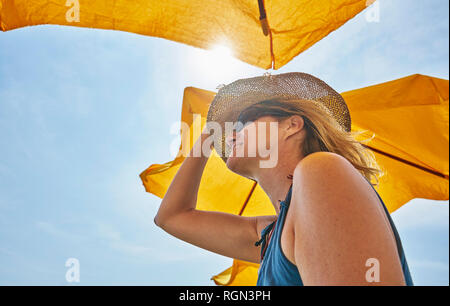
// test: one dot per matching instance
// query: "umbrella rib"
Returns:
(408, 162)
(266, 29)
(272, 56)
(247, 199)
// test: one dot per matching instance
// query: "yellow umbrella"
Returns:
(266, 34)
(410, 119)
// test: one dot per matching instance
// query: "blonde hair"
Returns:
(323, 132)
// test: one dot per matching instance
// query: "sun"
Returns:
(215, 65)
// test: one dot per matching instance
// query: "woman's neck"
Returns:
(276, 181)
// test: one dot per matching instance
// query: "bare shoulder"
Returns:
(320, 161)
(338, 220)
(331, 180)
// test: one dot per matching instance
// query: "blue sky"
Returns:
(83, 112)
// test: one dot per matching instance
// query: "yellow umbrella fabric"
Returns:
(291, 26)
(410, 119)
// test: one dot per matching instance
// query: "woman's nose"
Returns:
(230, 138)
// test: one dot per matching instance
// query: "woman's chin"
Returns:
(232, 163)
(236, 164)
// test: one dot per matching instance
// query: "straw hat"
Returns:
(231, 99)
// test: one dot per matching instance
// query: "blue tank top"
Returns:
(276, 270)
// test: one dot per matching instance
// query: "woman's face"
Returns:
(254, 146)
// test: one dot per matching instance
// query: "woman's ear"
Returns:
(294, 124)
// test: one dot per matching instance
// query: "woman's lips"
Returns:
(236, 144)
(233, 149)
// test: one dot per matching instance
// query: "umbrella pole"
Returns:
(247, 199)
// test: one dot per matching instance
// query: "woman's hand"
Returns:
(204, 144)
(208, 138)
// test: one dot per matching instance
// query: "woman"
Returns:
(330, 228)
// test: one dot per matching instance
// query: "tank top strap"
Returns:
(269, 228)
(287, 200)
(400, 250)
(264, 233)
